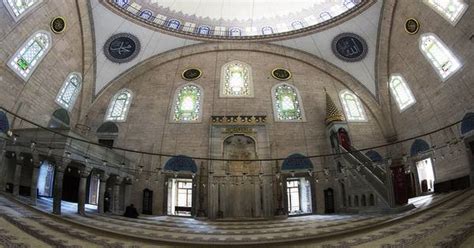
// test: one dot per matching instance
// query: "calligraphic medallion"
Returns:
(58, 24)
(349, 47)
(191, 74)
(281, 74)
(412, 26)
(122, 48)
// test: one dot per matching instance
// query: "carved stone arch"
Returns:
(331, 70)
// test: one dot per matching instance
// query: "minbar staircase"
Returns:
(373, 174)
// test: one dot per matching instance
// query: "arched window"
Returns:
(451, 10)
(121, 3)
(401, 92)
(325, 16)
(187, 104)
(267, 30)
(30, 54)
(146, 14)
(350, 3)
(69, 91)
(204, 30)
(287, 105)
(352, 106)
(119, 106)
(439, 56)
(235, 32)
(18, 8)
(236, 80)
(297, 24)
(174, 24)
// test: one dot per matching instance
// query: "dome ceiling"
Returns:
(243, 19)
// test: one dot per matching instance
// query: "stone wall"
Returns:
(149, 127)
(35, 98)
(438, 103)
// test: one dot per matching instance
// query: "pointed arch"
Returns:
(419, 146)
(451, 10)
(29, 55)
(438, 55)
(352, 106)
(287, 104)
(119, 106)
(181, 163)
(236, 80)
(467, 124)
(18, 9)
(401, 92)
(68, 93)
(187, 104)
(296, 162)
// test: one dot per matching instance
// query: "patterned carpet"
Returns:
(440, 221)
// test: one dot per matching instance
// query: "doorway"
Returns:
(46, 179)
(298, 192)
(147, 207)
(71, 185)
(329, 201)
(344, 139)
(425, 175)
(180, 196)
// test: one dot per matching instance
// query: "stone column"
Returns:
(102, 189)
(3, 164)
(17, 175)
(58, 185)
(34, 178)
(116, 196)
(81, 202)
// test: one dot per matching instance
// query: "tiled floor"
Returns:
(436, 222)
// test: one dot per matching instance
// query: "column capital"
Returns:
(104, 177)
(84, 172)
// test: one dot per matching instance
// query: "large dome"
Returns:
(225, 19)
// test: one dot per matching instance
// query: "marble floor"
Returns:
(445, 220)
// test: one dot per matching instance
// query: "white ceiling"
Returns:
(243, 10)
(107, 23)
(365, 25)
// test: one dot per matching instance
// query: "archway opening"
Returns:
(71, 184)
(426, 177)
(46, 180)
(180, 196)
(299, 196)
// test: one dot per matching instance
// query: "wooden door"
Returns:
(147, 207)
(329, 201)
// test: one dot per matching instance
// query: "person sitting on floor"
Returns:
(131, 212)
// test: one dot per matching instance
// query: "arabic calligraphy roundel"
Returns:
(349, 47)
(121, 48)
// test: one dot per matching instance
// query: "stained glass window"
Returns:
(146, 14)
(174, 24)
(267, 30)
(18, 8)
(236, 80)
(439, 56)
(297, 25)
(187, 104)
(27, 58)
(69, 91)
(287, 103)
(119, 106)
(451, 10)
(401, 92)
(235, 32)
(204, 30)
(352, 106)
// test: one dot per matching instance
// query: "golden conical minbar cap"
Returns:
(332, 112)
